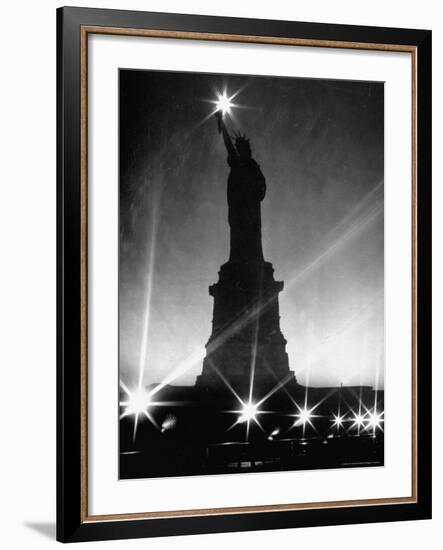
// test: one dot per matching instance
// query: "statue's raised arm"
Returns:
(226, 137)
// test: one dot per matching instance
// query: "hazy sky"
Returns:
(319, 144)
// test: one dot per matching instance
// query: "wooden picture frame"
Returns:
(74, 25)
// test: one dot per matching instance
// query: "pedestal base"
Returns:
(246, 346)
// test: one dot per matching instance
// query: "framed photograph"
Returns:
(244, 274)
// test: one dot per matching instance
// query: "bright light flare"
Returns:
(375, 420)
(338, 420)
(224, 103)
(248, 413)
(359, 420)
(304, 417)
(138, 402)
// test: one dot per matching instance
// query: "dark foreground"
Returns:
(189, 433)
(241, 457)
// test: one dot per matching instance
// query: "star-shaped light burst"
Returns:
(374, 421)
(304, 417)
(358, 421)
(338, 420)
(138, 404)
(224, 103)
(247, 414)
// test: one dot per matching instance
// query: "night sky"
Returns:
(319, 144)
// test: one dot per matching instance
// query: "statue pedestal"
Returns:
(246, 341)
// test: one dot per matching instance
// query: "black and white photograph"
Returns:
(218, 312)
(251, 274)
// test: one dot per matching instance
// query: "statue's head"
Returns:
(243, 146)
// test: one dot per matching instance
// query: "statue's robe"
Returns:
(246, 190)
